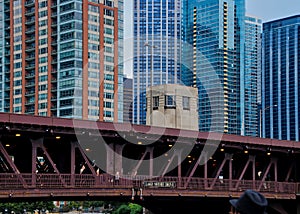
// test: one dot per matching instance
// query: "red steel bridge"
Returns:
(166, 170)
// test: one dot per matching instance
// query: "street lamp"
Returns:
(260, 118)
(151, 76)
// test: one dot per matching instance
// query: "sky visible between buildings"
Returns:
(267, 10)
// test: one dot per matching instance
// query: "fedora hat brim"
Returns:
(234, 201)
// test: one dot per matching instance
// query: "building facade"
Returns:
(215, 64)
(61, 58)
(127, 94)
(173, 106)
(280, 79)
(252, 77)
(157, 44)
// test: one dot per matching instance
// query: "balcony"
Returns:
(7, 18)
(30, 12)
(30, 66)
(54, 24)
(29, 92)
(7, 35)
(54, 42)
(29, 75)
(30, 30)
(30, 48)
(54, 14)
(6, 9)
(30, 57)
(29, 3)
(30, 39)
(54, 33)
(30, 83)
(30, 21)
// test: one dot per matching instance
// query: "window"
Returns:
(169, 101)
(185, 103)
(155, 102)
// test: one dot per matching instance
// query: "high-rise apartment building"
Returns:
(252, 77)
(215, 62)
(280, 79)
(127, 95)
(157, 45)
(61, 58)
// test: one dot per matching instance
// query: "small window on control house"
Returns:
(155, 102)
(170, 101)
(186, 103)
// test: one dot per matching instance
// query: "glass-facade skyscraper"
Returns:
(280, 79)
(157, 45)
(252, 77)
(215, 63)
(61, 58)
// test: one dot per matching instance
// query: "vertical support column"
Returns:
(73, 163)
(230, 173)
(151, 161)
(118, 159)
(33, 163)
(275, 174)
(252, 158)
(110, 158)
(179, 167)
(205, 174)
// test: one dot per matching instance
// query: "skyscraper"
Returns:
(252, 77)
(157, 45)
(280, 79)
(127, 95)
(61, 58)
(214, 62)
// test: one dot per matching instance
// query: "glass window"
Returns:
(170, 100)
(186, 103)
(155, 102)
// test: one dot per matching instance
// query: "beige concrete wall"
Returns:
(176, 117)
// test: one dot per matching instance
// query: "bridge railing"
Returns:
(22, 181)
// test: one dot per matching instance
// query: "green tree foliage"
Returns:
(20, 207)
(123, 209)
(129, 209)
(135, 208)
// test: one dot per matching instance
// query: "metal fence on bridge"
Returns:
(12, 181)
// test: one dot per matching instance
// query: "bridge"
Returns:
(166, 170)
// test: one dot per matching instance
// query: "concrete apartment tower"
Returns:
(173, 106)
(61, 58)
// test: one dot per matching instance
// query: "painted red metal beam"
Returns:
(64, 123)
